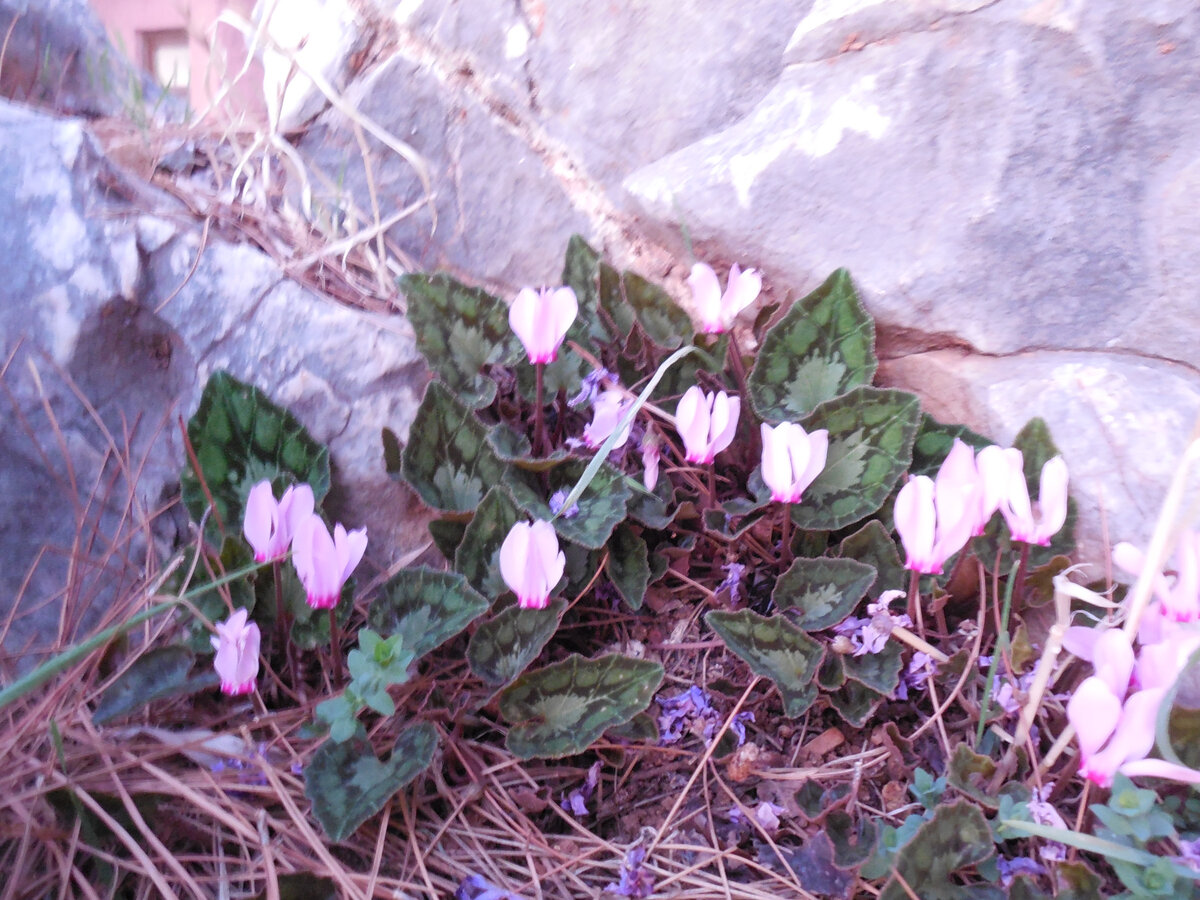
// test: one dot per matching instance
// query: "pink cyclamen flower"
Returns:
(1027, 522)
(607, 411)
(791, 459)
(1179, 595)
(979, 496)
(324, 563)
(651, 455)
(706, 423)
(935, 519)
(531, 562)
(541, 320)
(269, 525)
(237, 643)
(716, 310)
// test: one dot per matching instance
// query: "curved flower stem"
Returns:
(785, 539)
(914, 602)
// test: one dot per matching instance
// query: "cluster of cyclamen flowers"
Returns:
(935, 517)
(1115, 710)
(531, 561)
(322, 561)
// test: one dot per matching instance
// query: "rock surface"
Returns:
(112, 318)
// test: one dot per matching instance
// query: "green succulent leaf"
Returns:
(628, 565)
(776, 649)
(426, 607)
(503, 647)
(820, 593)
(601, 505)
(460, 330)
(873, 545)
(871, 434)
(561, 709)
(241, 438)
(347, 783)
(955, 838)
(661, 318)
(448, 459)
(478, 554)
(155, 675)
(822, 347)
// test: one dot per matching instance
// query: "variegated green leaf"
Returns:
(936, 861)
(447, 534)
(347, 783)
(503, 647)
(776, 649)
(426, 606)
(871, 434)
(478, 555)
(156, 675)
(628, 565)
(460, 330)
(819, 593)
(934, 441)
(601, 506)
(878, 671)
(448, 460)
(822, 347)
(663, 320)
(873, 545)
(855, 701)
(559, 710)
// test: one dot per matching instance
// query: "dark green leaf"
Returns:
(855, 701)
(601, 506)
(628, 565)
(478, 555)
(878, 671)
(347, 784)
(460, 330)
(448, 460)
(447, 534)
(502, 647)
(559, 710)
(641, 729)
(822, 347)
(820, 593)
(956, 837)
(775, 649)
(661, 318)
(873, 545)
(155, 675)
(871, 434)
(426, 607)
(934, 441)
(241, 438)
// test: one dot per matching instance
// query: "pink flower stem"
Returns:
(335, 645)
(914, 602)
(539, 427)
(711, 488)
(785, 539)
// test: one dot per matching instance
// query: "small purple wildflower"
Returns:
(738, 725)
(1189, 853)
(870, 635)
(476, 887)
(590, 386)
(767, 815)
(916, 676)
(557, 499)
(576, 801)
(681, 712)
(635, 881)
(733, 580)
(1019, 865)
(1040, 809)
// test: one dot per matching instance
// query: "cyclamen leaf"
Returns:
(561, 709)
(427, 607)
(855, 701)
(878, 671)
(241, 438)
(601, 505)
(871, 434)
(460, 330)
(820, 593)
(504, 646)
(478, 554)
(663, 320)
(934, 442)
(822, 347)
(956, 837)
(872, 545)
(347, 784)
(448, 460)
(628, 565)
(776, 649)
(155, 675)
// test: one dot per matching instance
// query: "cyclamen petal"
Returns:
(531, 562)
(269, 525)
(791, 459)
(1094, 710)
(541, 320)
(706, 423)
(607, 411)
(237, 643)
(916, 521)
(716, 310)
(324, 562)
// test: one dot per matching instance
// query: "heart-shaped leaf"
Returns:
(478, 555)
(448, 460)
(776, 649)
(871, 434)
(241, 438)
(855, 702)
(822, 347)
(872, 545)
(628, 565)
(819, 593)
(878, 671)
(347, 784)
(460, 330)
(155, 675)
(601, 506)
(654, 509)
(956, 837)
(447, 534)
(559, 710)
(503, 647)
(426, 606)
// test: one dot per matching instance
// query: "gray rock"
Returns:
(110, 327)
